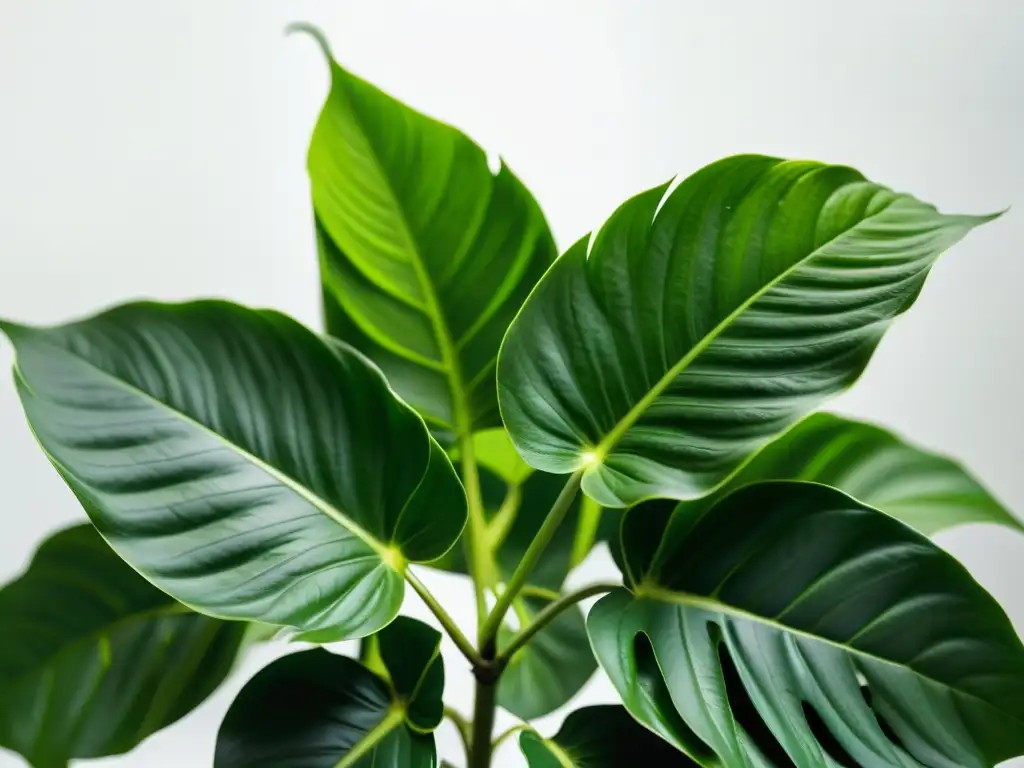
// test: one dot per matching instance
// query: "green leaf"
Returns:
(926, 491)
(411, 653)
(317, 710)
(791, 620)
(239, 463)
(425, 254)
(551, 669)
(94, 659)
(600, 737)
(702, 323)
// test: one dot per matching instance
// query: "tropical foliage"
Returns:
(479, 404)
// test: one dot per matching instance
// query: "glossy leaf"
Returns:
(425, 254)
(94, 659)
(702, 323)
(317, 710)
(926, 491)
(240, 463)
(753, 626)
(551, 669)
(600, 737)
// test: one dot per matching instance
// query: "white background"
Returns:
(156, 149)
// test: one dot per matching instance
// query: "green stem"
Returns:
(548, 615)
(462, 726)
(510, 732)
(445, 620)
(586, 531)
(533, 553)
(483, 721)
(478, 555)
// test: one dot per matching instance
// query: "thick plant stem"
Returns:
(533, 553)
(477, 555)
(483, 717)
(548, 615)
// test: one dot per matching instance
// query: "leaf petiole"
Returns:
(533, 553)
(445, 620)
(548, 614)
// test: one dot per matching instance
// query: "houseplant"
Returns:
(481, 405)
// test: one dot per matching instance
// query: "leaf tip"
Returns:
(305, 28)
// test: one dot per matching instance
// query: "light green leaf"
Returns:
(600, 737)
(425, 254)
(552, 668)
(702, 323)
(926, 491)
(240, 463)
(316, 710)
(789, 622)
(94, 659)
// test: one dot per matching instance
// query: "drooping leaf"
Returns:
(94, 659)
(754, 627)
(701, 324)
(552, 668)
(600, 737)
(240, 463)
(316, 710)
(926, 491)
(425, 254)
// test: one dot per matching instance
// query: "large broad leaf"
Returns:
(790, 623)
(425, 254)
(240, 463)
(701, 324)
(926, 491)
(600, 737)
(317, 710)
(93, 658)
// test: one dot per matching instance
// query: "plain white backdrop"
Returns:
(157, 149)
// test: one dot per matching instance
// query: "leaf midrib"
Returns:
(686, 599)
(392, 719)
(463, 424)
(608, 443)
(386, 554)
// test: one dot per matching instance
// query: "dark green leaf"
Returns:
(316, 710)
(600, 737)
(701, 324)
(240, 463)
(753, 626)
(551, 669)
(425, 254)
(94, 659)
(410, 651)
(928, 492)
